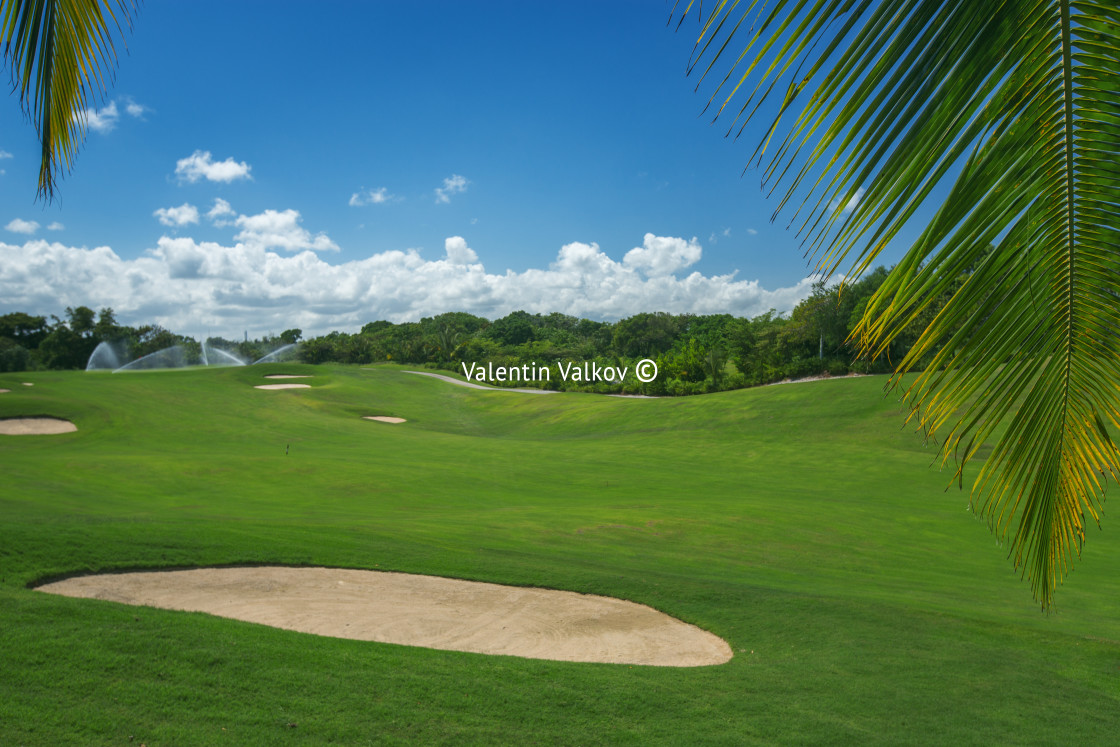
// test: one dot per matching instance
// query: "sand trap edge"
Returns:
(417, 610)
(384, 418)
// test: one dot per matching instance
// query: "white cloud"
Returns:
(371, 197)
(177, 216)
(55, 226)
(195, 287)
(715, 237)
(4, 154)
(102, 120)
(662, 255)
(274, 229)
(458, 253)
(219, 214)
(852, 203)
(752, 232)
(201, 165)
(18, 225)
(134, 109)
(452, 185)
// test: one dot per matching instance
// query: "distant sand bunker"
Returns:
(384, 419)
(4, 391)
(283, 386)
(412, 610)
(35, 426)
(288, 376)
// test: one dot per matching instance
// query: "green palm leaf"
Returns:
(1004, 116)
(61, 54)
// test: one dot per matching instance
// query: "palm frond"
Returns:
(61, 55)
(1004, 116)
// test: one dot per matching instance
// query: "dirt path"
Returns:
(472, 385)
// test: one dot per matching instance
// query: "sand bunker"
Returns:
(35, 426)
(288, 376)
(4, 391)
(28, 383)
(384, 419)
(415, 610)
(283, 386)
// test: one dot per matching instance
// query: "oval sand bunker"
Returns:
(384, 418)
(414, 610)
(282, 386)
(35, 426)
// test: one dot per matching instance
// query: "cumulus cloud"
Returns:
(18, 225)
(177, 216)
(452, 185)
(193, 287)
(458, 253)
(370, 197)
(280, 229)
(220, 215)
(55, 226)
(102, 120)
(4, 154)
(662, 255)
(201, 165)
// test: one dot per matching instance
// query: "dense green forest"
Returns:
(694, 353)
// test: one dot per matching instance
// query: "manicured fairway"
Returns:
(801, 523)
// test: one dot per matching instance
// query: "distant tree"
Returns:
(514, 329)
(374, 327)
(447, 342)
(81, 320)
(26, 330)
(106, 327)
(65, 348)
(13, 356)
(645, 334)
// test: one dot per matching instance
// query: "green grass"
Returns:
(801, 523)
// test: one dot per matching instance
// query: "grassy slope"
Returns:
(800, 522)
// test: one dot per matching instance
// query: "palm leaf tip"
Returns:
(61, 55)
(999, 121)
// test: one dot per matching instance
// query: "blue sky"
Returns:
(264, 165)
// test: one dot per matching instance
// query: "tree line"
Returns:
(694, 353)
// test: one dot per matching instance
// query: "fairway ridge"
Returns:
(35, 426)
(415, 610)
(472, 385)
